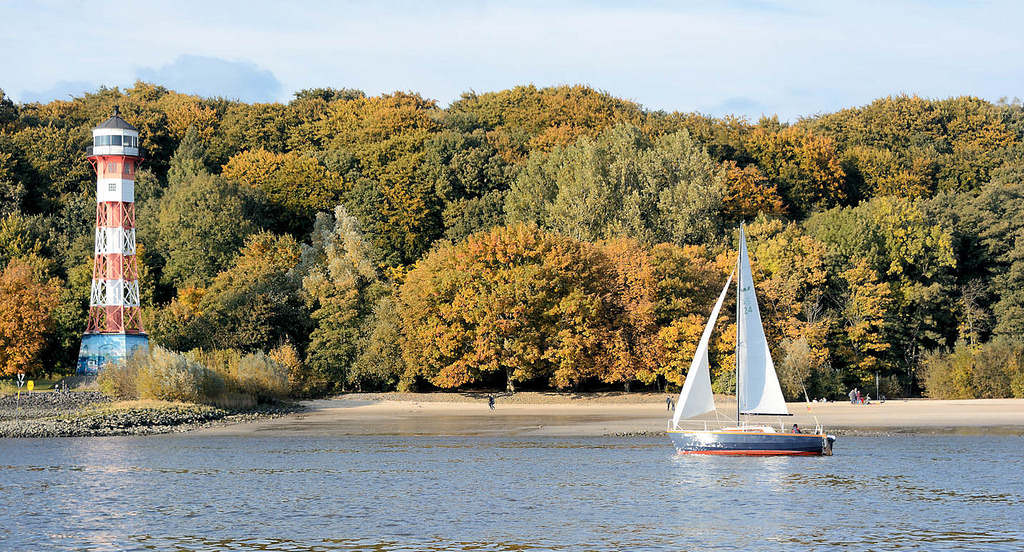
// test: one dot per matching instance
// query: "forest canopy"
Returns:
(532, 238)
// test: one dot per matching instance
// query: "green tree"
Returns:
(254, 304)
(200, 224)
(992, 224)
(380, 364)
(622, 184)
(341, 285)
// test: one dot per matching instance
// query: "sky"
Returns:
(742, 57)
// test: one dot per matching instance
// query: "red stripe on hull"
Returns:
(752, 452)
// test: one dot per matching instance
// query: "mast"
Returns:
(739, 295)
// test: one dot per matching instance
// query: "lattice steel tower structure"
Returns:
(115, 325)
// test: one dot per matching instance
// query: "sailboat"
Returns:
(757, 389)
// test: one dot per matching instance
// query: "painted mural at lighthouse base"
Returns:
(100, 349)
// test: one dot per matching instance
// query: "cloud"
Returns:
(210, 76)
(62, 90)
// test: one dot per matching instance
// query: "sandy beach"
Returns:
(554, 414)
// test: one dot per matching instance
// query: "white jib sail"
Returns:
(759, 391)
(696, 397)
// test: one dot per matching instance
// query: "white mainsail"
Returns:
(696, 397)
(759, 391)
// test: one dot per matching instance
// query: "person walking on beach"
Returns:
(853, 396)
(490, 401)
(669, 404)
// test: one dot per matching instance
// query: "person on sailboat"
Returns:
(796, 428)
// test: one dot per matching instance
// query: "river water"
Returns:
(383, 493)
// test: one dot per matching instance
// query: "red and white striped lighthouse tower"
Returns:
(115, 324)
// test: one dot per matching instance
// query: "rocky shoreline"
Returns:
(91, 414)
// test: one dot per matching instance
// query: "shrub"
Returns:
(170, 376)
(257, 375)
(262, 376)
(288, 356)
(992, 370)
(161, 374)
(8, 388)
(117, 380)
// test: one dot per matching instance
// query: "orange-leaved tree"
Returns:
(27, 302)
(749, 193)
(634, 298)
(513, 301)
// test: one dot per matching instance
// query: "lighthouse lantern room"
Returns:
(115, 328)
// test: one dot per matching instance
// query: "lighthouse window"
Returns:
(115, 140)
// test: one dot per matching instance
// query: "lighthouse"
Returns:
(115, 328)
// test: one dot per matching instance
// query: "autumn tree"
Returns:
(687, 281)
(386, 135)
(634, 298)
(911, 146)
(294, 186)
(791, 277)
(749, 193)
(805, 167)
(514, 302)
(27, 301)
(253, 305)
(527, 118)
(897, 239)
(868, 317)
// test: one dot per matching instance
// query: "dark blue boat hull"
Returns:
(747, 443)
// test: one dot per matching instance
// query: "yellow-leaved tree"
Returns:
(297, 185)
